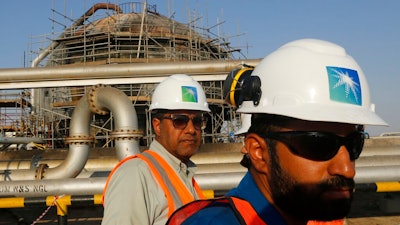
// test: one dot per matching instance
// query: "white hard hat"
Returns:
(312, 80)
(179, 91)
(245, 124)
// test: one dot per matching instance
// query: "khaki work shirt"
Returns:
(133, 196)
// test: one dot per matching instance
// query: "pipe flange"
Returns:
(126, 134)
(79, 140)
(93, 105)
(40, 170)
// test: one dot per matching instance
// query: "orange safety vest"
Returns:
(243, 210)
(175, 190)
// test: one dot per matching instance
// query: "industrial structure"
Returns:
(108, 34)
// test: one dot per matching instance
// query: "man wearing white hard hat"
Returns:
(145, 189)
(309, 102)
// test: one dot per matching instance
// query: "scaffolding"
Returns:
(14, 112)
(127, 33)
(133, 33)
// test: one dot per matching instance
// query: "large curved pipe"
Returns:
(79, 145)
(78, 150)
(101, 100)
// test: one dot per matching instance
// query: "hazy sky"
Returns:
(368, 30)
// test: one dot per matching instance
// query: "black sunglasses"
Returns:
(319, 146)
(181, 121)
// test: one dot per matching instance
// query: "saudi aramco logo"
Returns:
(189, 94)
(344, 85)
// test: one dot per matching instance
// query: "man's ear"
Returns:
(256, 149)
(156, 126)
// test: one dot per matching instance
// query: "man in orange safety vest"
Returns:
(146, 188)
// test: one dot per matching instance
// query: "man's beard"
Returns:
(306, 200)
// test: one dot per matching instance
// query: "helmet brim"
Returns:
(318, 112)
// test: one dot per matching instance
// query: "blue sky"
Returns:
(368, 30)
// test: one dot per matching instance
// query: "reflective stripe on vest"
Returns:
(247, 212)
(175, 190)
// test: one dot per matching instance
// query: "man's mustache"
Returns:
(338, 182)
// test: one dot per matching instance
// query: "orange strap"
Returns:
(180, 188)
(156, 173)
(247, 212)
(198, 190)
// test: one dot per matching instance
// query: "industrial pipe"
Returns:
(378, 160)
(368, 174)
(101, 99)
(79, 149)
(371, 167)
(208, 159)
(214, 181)
(20, 140)
(226, 162)
(79, 145)
(41, 188)
(105, 164)
(145, 72)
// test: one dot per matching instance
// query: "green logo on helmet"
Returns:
(189, 94)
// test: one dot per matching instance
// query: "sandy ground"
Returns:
(386, 220)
